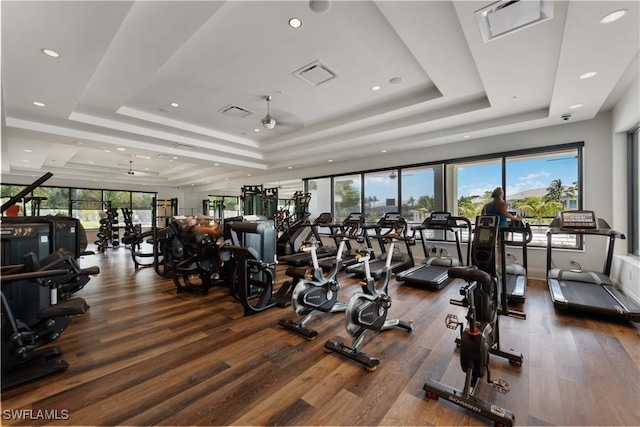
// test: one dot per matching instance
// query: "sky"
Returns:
(521, 175)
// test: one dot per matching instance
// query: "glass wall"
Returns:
(225, 206)
(472, 184)
(347, 196)
(320, 190)
(418, 194)
(538, 184)
(142, 206)
(84, 204)
(87, 207)
(380, 194)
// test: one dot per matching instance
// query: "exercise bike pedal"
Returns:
(501, 385)
(451, 321)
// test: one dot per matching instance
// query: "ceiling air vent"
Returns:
(507, 16)
(235, 111)
(315, 73)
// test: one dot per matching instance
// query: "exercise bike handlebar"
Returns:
(470, 274)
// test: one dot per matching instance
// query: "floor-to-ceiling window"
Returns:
(418, 190)
(347, 195)
(538, 183)
(538, 186)
(380, 194)
(320, 190)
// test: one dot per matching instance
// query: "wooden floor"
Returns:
(144, 355)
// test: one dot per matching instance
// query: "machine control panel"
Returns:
(578, 220)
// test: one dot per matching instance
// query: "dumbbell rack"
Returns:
(108, 233)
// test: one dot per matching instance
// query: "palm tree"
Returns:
(467, 208)
(539, 207)
(555, 191)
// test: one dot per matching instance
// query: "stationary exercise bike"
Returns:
(367, 310)
(317, 295)
(481, 337)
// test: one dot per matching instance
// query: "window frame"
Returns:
(443, 195)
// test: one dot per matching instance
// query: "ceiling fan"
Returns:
(131, 171)
(267, 121)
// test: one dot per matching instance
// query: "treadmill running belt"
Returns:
(581, 294)
(433, 275)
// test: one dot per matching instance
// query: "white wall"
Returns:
(624, 116)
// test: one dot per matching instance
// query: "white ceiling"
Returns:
(123, 63)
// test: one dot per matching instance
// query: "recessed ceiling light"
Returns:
(289, 167)
(90, 163)
(28, 151)
(383, 151)
(216, 164)
(588, 75)
(51, 53)
(295, 23)
(613, 16)
(107, 151)
(226, 179)
(120, 149)
(38, 104)
(466, 136)
(256, 130)
(174, 104)
(575, 106)
(248, 174)
(330, 160)
(375, 87)
(175, 158)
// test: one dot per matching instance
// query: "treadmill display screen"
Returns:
(440, 218)
(578, 220)
(393, 216)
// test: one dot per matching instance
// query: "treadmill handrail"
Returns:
(527, 234)
(460, 222)
(603, 230)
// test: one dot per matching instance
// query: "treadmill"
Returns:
(352, 225)
(434, 271)
(390, 223)
(583, 290)
(515, 275)
(303, 258)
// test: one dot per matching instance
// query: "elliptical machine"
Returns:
(367, 310)
(481, 336)
(318, 294)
